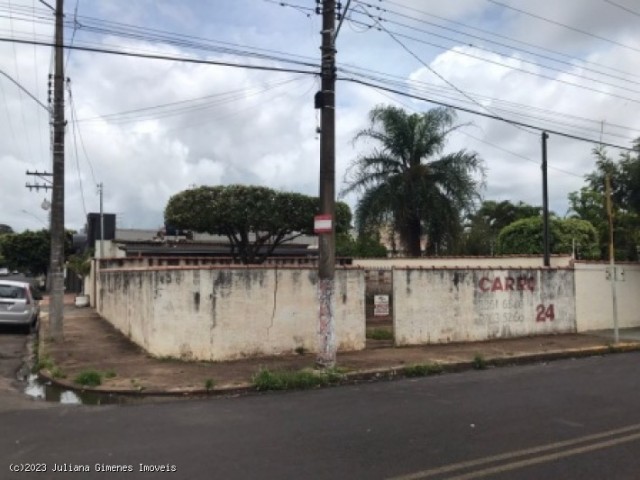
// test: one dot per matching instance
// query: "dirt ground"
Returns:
(91, 343)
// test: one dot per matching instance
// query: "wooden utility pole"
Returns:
(56, 270)
(326, 241)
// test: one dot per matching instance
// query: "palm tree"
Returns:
(407, 184)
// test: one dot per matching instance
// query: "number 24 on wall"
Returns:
(545, 313)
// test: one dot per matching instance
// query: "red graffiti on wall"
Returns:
(545, 313)
(507, 284)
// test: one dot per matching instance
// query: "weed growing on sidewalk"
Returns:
(44, 362)
(300, 350)
(479, 363)
(209, 384)
(380, 334)
(89, 378)
(289, 380)
(422, 370)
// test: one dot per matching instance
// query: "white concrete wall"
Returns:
(228, 313)
(594, 304)
(446, 305)
(510, 261)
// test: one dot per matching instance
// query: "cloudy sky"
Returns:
(148, 128)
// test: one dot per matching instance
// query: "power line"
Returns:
(523, 60)
(84, 150)
(498, 35)
(627, 9)
(395, 80)
(73, 34)
(21, 98)
(186, 106)
(280, 69)
(75, 146)
(482, 114)
(151, 56)
(432, 70)
(564, 25)
(494, 62)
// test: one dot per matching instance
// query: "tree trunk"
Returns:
(411, 237)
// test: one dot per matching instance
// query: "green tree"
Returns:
(524, 237)
(589, 203)
(4, 229)
(30, 250)
(365, 246)
(406, 182)
(254, 219)
(484, 225)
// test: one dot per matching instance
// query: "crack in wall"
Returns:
(275, 301)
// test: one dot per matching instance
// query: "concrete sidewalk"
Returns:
(91, 343)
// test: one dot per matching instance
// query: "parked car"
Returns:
(18, 305)
(4, 271)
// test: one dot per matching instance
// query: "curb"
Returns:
(351, 378)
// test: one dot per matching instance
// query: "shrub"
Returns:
(89, 378)
(294, 380)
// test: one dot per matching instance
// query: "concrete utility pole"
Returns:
(101, 193)
(545, 202)
(612, 260)
(326, 242)
(56, 271)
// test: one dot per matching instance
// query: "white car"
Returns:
(18, 305)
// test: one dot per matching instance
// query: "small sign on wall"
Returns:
(380, 305)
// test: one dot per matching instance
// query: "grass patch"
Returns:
(135, 383)
(380, 334)
(209, 384)
(110, 374)
(89, 378)
(44, 362)
(56, 372)
(422, 370)
(479, 363)
(295, 380)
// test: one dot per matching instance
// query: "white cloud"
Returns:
(260, 127)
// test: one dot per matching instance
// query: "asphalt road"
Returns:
(567, 419)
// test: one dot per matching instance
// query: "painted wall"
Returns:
(510, 261)
(228, 313)
(594, 305)
(446, 305)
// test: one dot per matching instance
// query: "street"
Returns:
(13, 353)
(565, 419)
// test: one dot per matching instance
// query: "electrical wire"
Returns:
(626, 9)
(563, 25)
(498, 35)
(28, 150)
(73, 34)
(151, 56)
(75, 149)
(522, 60)
(483, 114)
(494, 62)
(432, 70)
(497, 147)
(186, 106)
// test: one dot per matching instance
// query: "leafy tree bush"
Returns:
(365, 246)
(30, 251)
(255, 219)
(525, 237)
